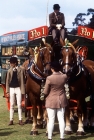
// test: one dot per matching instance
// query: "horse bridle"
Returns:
(73, 65)
(42, 56)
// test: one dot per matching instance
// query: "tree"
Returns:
(79, 20)
(91, 12)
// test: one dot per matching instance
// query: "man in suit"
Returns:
(15, 84)
(56, 100)
(55, 18)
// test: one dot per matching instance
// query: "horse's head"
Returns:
(46, 58)
(68, 57)
(43, 56)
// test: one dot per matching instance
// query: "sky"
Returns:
(24, 15)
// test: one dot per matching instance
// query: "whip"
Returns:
(47, 12)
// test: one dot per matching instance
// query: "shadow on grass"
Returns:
(5, 129)
(6, 133)
(89, 133)
(80, 137)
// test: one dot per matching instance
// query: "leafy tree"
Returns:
(79, 20)
(91, 12)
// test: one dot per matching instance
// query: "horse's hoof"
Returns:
(68, 132)
(80, 133)
(34, 132)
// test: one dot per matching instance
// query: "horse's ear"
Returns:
(42, 44)
(43, 39)
(73, 43)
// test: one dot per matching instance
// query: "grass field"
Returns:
(17, 132)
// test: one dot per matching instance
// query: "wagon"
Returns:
(14, 43)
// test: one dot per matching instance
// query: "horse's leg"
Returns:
(81, 110)
(45, 120)
(91, 118)
(68, 129)
(39, 112)
(34, 130)
(86, 118)
(71, 116)
(29, 116)
(40, 117)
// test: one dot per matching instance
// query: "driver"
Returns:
(55, 18)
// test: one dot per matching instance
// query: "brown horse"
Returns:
(36, 74)
(78, 84)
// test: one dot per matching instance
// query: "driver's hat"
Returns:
(56, 7)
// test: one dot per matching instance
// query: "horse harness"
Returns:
(73, 78)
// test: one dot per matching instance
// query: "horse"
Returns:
(78, 84)
(29, 53)
(37, 73)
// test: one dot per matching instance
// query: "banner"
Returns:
(85, 32)
(38, 32)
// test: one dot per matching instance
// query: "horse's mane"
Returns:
(67, 43)
(36, 52)
(72, 47)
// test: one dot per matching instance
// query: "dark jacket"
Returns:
(20, 77)
(53, 20)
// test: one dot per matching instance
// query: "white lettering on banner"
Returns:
(43, 31)
(34, 34)
(12, 37)
(38, 32)
(93, 34)
(84, 32)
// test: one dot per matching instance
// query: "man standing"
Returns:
(15, 85)
(56, 18)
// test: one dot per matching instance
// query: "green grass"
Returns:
(17, 132)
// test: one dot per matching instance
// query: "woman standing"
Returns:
(56, 100)
(15, 85)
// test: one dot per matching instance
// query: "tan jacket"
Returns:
(53, 21)
(20, 76)
(54, 89)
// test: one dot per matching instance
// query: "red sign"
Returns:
(86, 32)
(38, 32)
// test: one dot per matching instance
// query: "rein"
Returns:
(42, 57)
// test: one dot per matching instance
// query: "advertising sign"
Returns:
(86, 32)
(14, 37)
(38, 32)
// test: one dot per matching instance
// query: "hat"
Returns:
(55, 65)
(13, 60)
(56, 7)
